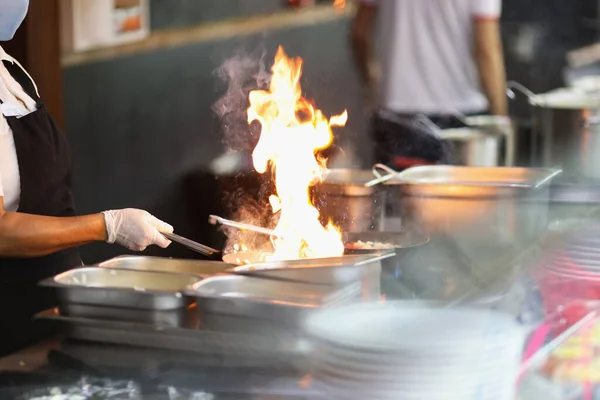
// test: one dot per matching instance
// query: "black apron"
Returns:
(44, 160)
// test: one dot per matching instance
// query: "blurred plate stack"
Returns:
(570, 272)
(405, 350)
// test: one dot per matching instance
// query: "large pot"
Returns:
(343, 199)
(566, 132)
(490, 213)
(473, 147)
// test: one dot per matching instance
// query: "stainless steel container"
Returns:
(200, 268)
(122, 288)
(178, 317)
(500, 126)
(252, 297)
(473, 147)
(489, 212)
(566, 132)
(362, 272)
(343, 199)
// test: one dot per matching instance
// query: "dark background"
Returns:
(143, 132)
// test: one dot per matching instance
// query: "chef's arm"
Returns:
(361, 37)
(490, 62)
(26, 235)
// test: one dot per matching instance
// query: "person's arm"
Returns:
(361, 38)
(490, 62)
(26, 235)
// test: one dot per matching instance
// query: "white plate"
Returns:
(361, 391)
(400, 325)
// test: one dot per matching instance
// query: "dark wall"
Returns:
(551, 28)
(180, 13)
(143, 131)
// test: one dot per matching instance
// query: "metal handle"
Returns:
(510, 85)
(215, 219)
(190, 244)
(381, 178)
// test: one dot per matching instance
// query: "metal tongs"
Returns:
(195, 246)
(215, 219)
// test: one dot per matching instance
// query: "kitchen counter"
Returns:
(59, 363)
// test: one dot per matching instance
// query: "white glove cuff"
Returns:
(110, 221)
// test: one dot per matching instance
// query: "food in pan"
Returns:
(360, 245)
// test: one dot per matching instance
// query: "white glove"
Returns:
(135, 229)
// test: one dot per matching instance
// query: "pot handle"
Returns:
(381, 178)
(512, 85)
(384, 167)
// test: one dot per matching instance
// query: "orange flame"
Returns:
(340, 4)
(292, 130)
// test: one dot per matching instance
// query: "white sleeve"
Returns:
(486, 8)
(1, 188)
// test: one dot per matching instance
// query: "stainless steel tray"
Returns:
(190, 339)
(267, 299)
(476, 176)
(122, 288)
(335, 271)
(201, 268)
(179, 317)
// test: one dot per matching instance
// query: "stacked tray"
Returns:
(170, 303)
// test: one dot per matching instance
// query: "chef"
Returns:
(39, 231)
(439, 59)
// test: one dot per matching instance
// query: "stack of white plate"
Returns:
(400, 350)
(577, 255)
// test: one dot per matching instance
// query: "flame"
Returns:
(339, 4)
(292, 130)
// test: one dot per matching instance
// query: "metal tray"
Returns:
(173, 318)
(267, 299)
(335, 271)
(122, 288)
(476, 176)
(189, 339)
(201, 268)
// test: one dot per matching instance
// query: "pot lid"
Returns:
(567, 99)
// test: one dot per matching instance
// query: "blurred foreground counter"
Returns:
(68, 369)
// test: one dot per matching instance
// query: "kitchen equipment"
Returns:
(566, 131)
(473, 147)
(362, 272)
(267, 299)
(405, 245)
(259, 348)
(122, 288)
(490, 213)
(178, 317)
(214, 220)
(343, 199)
(497, 125)
(334, 271)
(411, 350)
(190, 244)
(201, 268)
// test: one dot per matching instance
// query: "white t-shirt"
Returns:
(426, 54)
(15, 102)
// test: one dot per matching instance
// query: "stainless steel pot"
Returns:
(343, 199)
(498, 125)
(489, 212)
(473, 147)
(566, 132)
